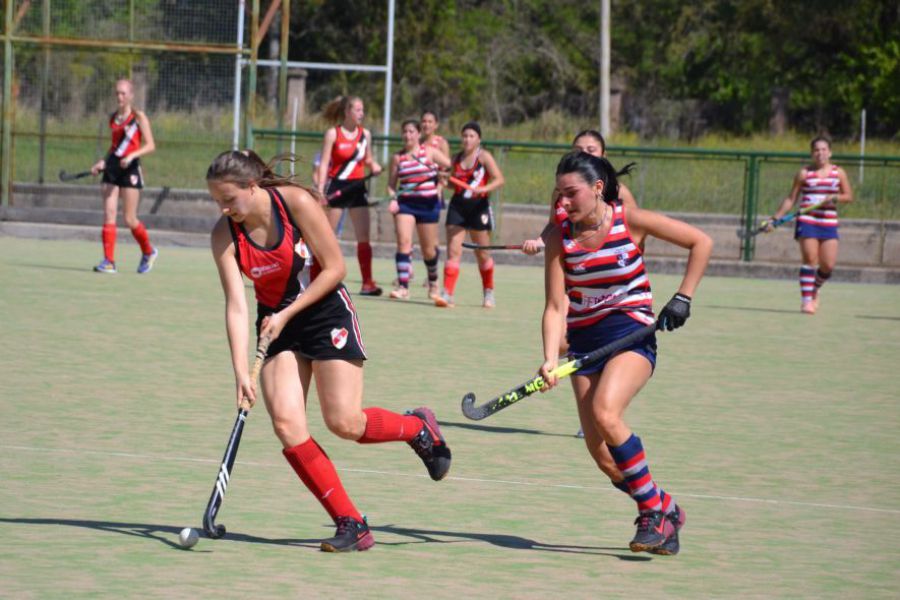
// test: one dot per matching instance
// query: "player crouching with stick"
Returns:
(594, 258)
(314, 331)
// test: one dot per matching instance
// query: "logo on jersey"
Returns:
(339, 337)
(134, 180)
(622, 259)
(263, 270)
(301, 249)
(484, 218)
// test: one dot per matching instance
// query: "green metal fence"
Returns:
(748, 184)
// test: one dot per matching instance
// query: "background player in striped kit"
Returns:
(122, 177)
(470, 211)
(817, 230)
(346, 153)
(416, 204)
(594, 259)
(313, 328)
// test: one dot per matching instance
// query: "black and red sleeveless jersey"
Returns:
(126, 136)
(348, 155)
(476, 176)
(280, 273)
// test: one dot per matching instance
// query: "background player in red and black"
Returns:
(470, 211)
(346, 152)
(270, 231)
(122, 177)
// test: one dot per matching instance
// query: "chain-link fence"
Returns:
(67, 55)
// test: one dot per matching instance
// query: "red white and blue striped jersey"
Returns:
(416, 175)
(815, 189)
(607, 279)
(348, 155)
(126, 136)
(475, 176)
(280, 273)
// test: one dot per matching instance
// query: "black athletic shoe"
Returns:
(350, 535)
(370, 289)
(671, 546)
(653, 529)
(430, 445)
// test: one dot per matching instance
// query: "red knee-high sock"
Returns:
(142, 237)
(317, 472)
(109, 242)
(364, 256)
(487, 274)
(386, 426)
(451, 274)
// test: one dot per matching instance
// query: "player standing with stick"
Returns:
(122, 176)
(346, 152)
(817, 230)
(416, 204)
(470, 211)
(594, 259)
(313, 328)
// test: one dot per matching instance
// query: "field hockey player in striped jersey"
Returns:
(132, 138)
(416, 205)
(819, 187)
(346, 153)
(593, 259)
(270, 230)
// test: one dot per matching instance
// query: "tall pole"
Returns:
(45, 83)
(604, 67)
(388, 81)
(283, 69)
(236, 119)
(250, 115)
(6, 142)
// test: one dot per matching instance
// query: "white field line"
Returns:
(502, 482)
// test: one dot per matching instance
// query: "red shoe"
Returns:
(370, 289)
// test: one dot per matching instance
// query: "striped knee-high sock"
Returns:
(821, 278)
(632, 462)
(807, 282)
(403, 261)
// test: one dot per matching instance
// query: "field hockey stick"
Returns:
(356, 183)
(472, 246)
(476, 413)
(63, 176)
(218, 494)
(776, 223)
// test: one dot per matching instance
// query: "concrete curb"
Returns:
(718, 268)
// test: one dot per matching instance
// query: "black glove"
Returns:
(675, 313)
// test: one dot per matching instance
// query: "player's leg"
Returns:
(340, 388)
(455, 237)
(285, 382)
(428, 242)
(485, 265)
(621, 379)
(359, 216)
(809, 252)
(131, 198)
(110, 209)
(404, 224)
(828, 253)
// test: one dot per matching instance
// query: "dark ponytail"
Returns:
(247, 167)
(591, 169)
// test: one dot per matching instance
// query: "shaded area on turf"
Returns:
(496, 429)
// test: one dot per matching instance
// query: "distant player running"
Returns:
(314, 330)
(470, 211)
(821, 185)
(122, 176)
(346, 152)
(593, 260)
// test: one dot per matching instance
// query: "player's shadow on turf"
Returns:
(752, 308)
(493, 429)
(876, 317)
(159, 533)
(514, 542)
(56, 267)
